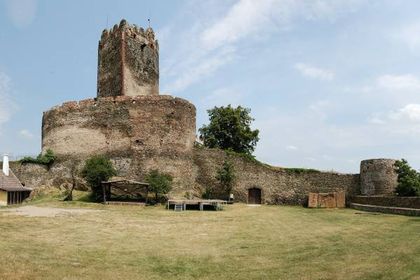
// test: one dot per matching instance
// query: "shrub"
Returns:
(208, 193)
(408, 179)
(301, 170)
(45, 159)
(159, 183)
(96, 170)
(226, 177)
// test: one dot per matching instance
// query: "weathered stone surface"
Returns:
(340, 199)
(193, 174)
(139, 133)
(313, 200)
(327, 200)
(278, 185)
(378, 177)
(397, 201)
(128, 62)
(386, 209)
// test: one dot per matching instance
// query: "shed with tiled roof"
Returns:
(11, 189)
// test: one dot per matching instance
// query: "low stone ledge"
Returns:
(389, 201)
(386, 209)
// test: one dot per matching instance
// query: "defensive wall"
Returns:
(194, 175)
(139, 133)
(278, 185)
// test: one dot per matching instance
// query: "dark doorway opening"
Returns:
(254, 196)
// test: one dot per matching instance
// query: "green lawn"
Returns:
(241, 242)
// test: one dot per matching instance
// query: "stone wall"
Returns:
(193, 175)
(128, 62)
(390, 201)
(378, 177)
(139, 133)
(278, 185)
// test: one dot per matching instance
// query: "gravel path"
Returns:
(35, 211)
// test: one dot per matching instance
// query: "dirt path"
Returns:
(35, 211)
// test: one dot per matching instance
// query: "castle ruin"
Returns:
(128, 121)
(140, 130)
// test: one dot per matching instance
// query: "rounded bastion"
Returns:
(378, 177)
(139, 133)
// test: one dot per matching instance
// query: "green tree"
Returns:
(96, 170)
(229, 129)
(226, 177)
(159, 183)
(408, 179)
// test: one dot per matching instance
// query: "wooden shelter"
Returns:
(11, 189)
(122, 189)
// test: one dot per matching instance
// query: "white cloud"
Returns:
(376, 120)
(244, 18)
(26, 134)
(212, 43)
(249, 17)
(398, 82)
(291, 148)
(6, 104)
(314, 72)
(21, 12)
(202, 69)
(410, 112)
(409, 35)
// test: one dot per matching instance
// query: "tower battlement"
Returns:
(128, 61)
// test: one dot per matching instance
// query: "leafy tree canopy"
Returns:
(96, 170)
(229, 129)
(408, 179)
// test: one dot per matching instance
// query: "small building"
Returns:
(11, 189)
(122, 190)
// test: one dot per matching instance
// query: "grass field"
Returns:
(241, 242)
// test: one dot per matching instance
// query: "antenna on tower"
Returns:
(148, 20)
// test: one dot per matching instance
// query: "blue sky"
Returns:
(329, 83)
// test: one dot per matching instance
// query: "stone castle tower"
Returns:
(128, 62)
(129, 120)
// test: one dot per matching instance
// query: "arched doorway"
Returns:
(254, 196)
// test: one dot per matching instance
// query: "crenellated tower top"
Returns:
(128, 61)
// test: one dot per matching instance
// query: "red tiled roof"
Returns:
(11, 183)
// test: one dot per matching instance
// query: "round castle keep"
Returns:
(129, 121)
(378, 177)
(121, 126)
